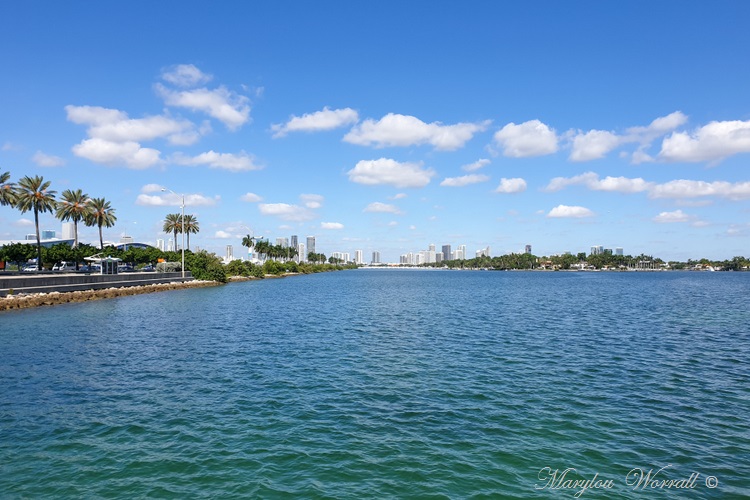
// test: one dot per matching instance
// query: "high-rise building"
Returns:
(311, 244)
(301, 257)
(160, 244)
(282, 242)
(68, 231)
(359, 257)
(618, 251)
(294, 242)
(431, 247)
(447, 252)
(48, 234)
(461, 252)
(528, 249)
(376, 257)
(484, 252)
(170, 245)
(597, 250)
(343, 257)
(230, 253)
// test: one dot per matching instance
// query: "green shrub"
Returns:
(205, 266)
(236, 268)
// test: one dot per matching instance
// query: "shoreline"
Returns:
(27, 301)
(31, 300)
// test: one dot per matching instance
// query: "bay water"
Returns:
(385, 384)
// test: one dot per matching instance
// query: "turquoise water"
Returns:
(383, 384)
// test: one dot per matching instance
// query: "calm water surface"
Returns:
(383, 384)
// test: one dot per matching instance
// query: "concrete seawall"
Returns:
(71, 282)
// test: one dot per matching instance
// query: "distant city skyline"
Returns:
(390, 126)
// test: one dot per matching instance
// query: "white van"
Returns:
(63, 266)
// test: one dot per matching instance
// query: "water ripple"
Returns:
(379, 384)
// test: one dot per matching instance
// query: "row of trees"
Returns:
(34, 194)
(173, 224)
(202, 265)
(275, 252)
(598, 261)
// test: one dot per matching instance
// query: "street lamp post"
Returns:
(182, 219)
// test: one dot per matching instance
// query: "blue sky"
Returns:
(391, 125)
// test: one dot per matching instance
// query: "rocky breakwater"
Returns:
(24, 301)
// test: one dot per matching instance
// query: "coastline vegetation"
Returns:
(581, 261)
(201, 264)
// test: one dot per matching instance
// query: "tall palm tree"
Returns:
(33, 193)
(7, 190)
(74, 206)
(101, 214)
(173, 224)
(191, 226)
(262, 247)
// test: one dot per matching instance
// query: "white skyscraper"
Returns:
(359, 257)
(376, 257)
(68, 231)
(230, 253)
(301, 257)
(160, 244)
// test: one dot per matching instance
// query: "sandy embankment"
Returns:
(24, 301)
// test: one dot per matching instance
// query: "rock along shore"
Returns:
(25, 301)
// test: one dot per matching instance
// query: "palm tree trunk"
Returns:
(188, 242)
(101, 238)
(38, 241)
(75, 243)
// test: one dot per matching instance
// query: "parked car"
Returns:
(63, 266)
(29, 268)
(148, 267)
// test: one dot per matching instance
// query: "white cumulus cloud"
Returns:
(593, 145)
(388, 171)
(676, 216)
(382, 207)
(223, 235)
(592, 181)
(115, 139)
(565, 211)
(45, 160)
(240, 162)
(403, 130)
(509, 186)
(331, 225)
(683, 188)
(464, 180)
(710, 143)
(327, 119)
(185, 75)
(531, 138)
(130, 153)
(251, 198)
(175, 200)
(472, 167)
(230, 108)
(312, 200)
